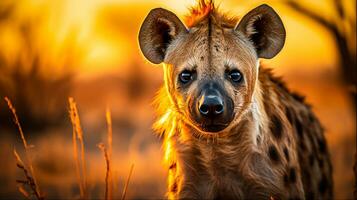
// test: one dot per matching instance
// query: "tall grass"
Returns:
(77, 133)
(127, 182)
(29, 174)
(107, 194)
(109, 181)
(79, 158)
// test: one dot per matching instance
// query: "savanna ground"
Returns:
(89, 51)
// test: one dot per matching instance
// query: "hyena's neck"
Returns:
(188, 156)
(185, 152)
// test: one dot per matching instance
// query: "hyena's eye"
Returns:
(235, 76)
(186, 76)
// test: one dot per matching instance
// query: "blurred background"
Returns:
(88, 49)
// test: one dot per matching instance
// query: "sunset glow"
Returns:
(88, 49)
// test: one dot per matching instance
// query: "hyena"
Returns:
(232, 130)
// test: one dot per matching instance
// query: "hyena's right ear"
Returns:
(158, 30)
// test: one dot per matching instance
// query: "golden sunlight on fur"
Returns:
(230, 128)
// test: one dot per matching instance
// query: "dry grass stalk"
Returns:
(102, 147)
(30, 181)
(127, 182)
(23, 192)
(109, 156)
(78, 170)
(17, 122)
(78, 134)
(35, 188)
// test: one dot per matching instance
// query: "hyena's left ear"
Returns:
(264, 28)
(158, 30)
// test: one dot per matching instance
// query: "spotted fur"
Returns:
(273, 148)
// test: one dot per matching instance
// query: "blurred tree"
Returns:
(343, 30)
(6, 9)
(38, 84)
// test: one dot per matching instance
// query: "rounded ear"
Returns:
(158, 30)
(264, 28)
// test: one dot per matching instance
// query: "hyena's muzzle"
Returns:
(211, 108)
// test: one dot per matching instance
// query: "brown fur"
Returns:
(274, 146)
(211, 163)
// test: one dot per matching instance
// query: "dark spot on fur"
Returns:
(302, 145)
(323, 184)
(298, 97)
(299, 128)
(289, 115)
(286, 180)
(276, 127)
(311, 160)
(202, 58)
(307, 177)
(216, 47)
(320, 162)
(292, 175)
(322, 146)
(273, 154)
(286, 153)
(311, 118)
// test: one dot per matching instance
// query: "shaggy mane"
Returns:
(207, 8)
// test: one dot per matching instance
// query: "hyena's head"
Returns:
(211, 67)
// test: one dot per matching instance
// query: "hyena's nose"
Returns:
(210, 105)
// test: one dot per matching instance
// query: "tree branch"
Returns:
(339, 9)
(312, 15)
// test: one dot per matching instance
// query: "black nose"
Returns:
(210, 105)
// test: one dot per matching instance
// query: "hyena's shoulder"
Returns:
(312, 151)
